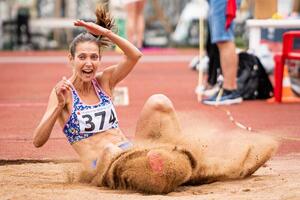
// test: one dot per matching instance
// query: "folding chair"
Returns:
(289, 51)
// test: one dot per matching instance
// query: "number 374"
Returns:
(90, 123)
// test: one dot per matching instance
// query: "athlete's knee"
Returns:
(160, 102)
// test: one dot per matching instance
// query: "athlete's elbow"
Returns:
(139, 55)
(37, 144)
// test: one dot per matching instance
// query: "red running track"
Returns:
(27, 78)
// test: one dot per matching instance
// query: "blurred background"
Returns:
(47, 24)
(50, 21)
(168, 22)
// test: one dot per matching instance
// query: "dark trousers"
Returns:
(214, 65)
(23, 24)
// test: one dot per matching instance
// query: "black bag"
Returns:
(253, 81)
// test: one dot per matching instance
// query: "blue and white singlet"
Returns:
(87, 120)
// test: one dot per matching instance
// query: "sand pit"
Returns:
(278, 179)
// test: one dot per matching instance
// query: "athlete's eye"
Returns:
(81, 57)
(94, 57)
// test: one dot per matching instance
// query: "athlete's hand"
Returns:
(91, 27)
(61, 90)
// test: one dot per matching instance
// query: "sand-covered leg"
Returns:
(262, 148)
(155, 170)
(239, 156)
(158, 120)
(104, 160)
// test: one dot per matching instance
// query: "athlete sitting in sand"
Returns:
(162, 157)
(82, 104)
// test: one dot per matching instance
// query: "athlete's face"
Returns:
(86, 60)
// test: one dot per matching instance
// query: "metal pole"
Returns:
(201, 54)
(1, 28)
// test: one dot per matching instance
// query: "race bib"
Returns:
(97, 119)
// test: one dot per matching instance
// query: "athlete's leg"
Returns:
(131, 22)
(140, 19)
(158, 120)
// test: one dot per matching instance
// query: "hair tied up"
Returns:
(104, 19)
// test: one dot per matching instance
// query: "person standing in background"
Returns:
(220, 17)
(22, 9)
(135, 24)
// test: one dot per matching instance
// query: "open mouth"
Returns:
(87, 71)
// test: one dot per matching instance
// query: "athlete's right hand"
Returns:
(61, 90)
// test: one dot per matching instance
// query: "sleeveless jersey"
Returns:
(87, 120)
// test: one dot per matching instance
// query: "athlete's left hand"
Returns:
(91, 27)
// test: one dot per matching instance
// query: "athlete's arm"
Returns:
(57, 102)
(116, 73)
